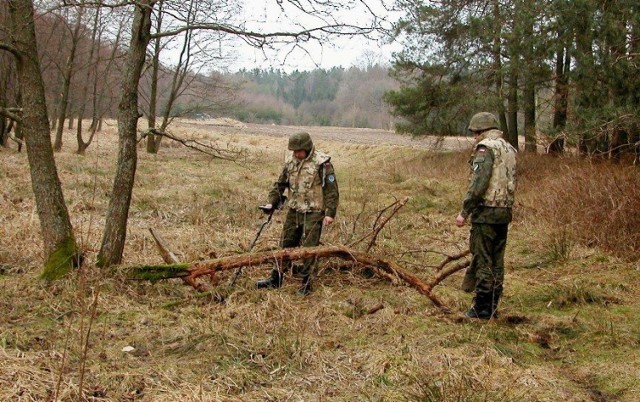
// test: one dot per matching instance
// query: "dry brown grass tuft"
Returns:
(597, 204)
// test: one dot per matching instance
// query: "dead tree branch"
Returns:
(377, 227)
(445, 273)
(228, 154)
(190, 272)
(171, 258)
(450, 258)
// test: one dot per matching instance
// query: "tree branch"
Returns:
(12, 50)
(10, 113)
(209, 268)
(225, 154)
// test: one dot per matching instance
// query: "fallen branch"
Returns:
(171, 258)
(445, 273)
(190, 272)
(375, 309)
(378, 227)
(450, 258)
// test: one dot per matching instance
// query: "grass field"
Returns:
(570, 324)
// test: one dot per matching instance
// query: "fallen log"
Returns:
(171, 258)
(189, 272)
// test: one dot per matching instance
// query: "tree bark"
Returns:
(497, 66)
(59, 244)
(512, 103)
(115, 231)
(66, 82)
(563, 66)
(153, 141)
(95, 45)
(529, 93)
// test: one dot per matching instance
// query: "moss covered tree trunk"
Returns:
(115, 230)
(59, 244)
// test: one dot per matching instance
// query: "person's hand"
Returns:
(267, 208)
(327, 221)
(460, 220)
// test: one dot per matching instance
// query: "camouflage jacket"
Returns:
(311, 184)
(491, 191)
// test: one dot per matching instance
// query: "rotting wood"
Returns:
(171, 258)
(207, 268)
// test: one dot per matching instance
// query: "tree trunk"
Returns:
(529, 93)
(59, 244)
(4, 134)
(497, 67)
(115, 230)
(82, 145)
(563, 61)
(153, 142)
(512, 105)
(66, 82)
(585, 73)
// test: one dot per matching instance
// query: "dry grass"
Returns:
(596, 204)
(571, 316)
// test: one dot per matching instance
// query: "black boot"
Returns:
(306, 286)
(495, 299)
(481, 306)
(274, 281)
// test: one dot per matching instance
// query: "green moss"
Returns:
(156, 273)
(60, 261)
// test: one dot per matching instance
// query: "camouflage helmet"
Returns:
(483, 121)
(299, 141)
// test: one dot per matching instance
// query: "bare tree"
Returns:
(60, 248)
(67, 75)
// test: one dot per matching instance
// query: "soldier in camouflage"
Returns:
(488, 205)
(310, 180)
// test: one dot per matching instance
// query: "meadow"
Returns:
(570, 323)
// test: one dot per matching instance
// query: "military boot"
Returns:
(274, 281)
(481, 306)
(305, 289)
(495, 299)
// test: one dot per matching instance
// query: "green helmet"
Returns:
(483, 121)
(299, 141)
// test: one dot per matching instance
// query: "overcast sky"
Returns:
(266, 16)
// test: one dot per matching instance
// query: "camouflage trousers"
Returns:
(487, 243)
(302, 230)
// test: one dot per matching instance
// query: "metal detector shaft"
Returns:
(253, 244)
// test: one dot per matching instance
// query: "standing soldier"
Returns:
(488, 205)
(313, 200)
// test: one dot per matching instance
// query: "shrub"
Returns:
(598, 202)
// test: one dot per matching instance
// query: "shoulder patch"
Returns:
(331, 178)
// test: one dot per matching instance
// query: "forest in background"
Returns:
(557, 71)
(342, 97)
